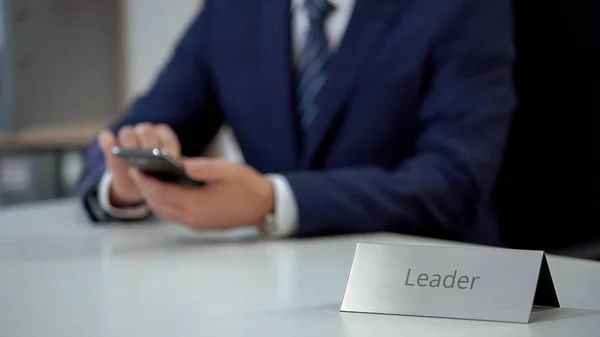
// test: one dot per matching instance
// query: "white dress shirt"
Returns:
(286, 209)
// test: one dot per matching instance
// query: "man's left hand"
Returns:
(234, 196)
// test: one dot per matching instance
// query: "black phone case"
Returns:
(156, 164)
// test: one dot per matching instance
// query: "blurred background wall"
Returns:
(67, 69)
(151, 29)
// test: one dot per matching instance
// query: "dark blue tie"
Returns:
(312, 72)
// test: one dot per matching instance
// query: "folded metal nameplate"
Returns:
(452, 282)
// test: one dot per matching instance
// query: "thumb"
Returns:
(208, 169)
(106, 140)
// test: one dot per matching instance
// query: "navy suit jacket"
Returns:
(412, 120)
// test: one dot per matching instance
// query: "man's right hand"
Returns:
(123, 191)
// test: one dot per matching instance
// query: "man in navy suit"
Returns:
(352, 115)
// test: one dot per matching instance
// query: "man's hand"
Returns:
(234, 196)
(123, 191)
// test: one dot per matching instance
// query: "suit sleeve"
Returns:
(180, 97)
(463, 125)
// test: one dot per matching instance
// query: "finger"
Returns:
(168, 139)
(208, 169)
(170, 213)
(127, 138)
(147, 136)
(106, 140)
(156, 191)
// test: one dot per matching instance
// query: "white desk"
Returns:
(61, 277)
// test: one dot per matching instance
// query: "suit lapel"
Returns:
(276, 75)
(368, 22)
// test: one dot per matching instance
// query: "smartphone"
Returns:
(156, 163)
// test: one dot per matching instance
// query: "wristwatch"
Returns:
(269, 226)
(281, 222)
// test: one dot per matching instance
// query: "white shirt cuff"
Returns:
(286, 208)
(129, 213)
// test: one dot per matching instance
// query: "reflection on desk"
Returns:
(61, 276)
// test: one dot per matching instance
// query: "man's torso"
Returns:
(369, 107)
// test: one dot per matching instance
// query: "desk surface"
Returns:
(60, 276)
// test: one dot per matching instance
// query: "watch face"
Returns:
(269, 226)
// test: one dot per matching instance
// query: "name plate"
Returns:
(451, 282)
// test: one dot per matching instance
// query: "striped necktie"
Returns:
(312, 72)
